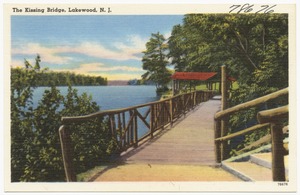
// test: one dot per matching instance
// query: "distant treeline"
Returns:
(140, 82)
(50, 78)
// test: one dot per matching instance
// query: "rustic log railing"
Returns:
(127, 123)
(265, 118)
(274, 117)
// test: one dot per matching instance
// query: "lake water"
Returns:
(110, 97)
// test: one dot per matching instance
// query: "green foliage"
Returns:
(155, 62)
(43, 160)
(22, 85)
(178, 48)
(35, 145)
(49, 78)
(92, 141)
(254, 47)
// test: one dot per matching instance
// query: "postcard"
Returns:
(174, 97)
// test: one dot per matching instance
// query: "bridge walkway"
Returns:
(183, 152)
(189, 141)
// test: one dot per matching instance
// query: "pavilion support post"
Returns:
(173, 87)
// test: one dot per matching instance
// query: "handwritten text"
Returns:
(251, 8)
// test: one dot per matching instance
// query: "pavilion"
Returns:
(209, 78)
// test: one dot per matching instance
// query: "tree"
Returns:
(155, 61)
(23, 81)
(49, 78)
(178, 49)
(253, 46)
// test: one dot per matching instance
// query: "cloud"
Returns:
(63, 56)
(49, 55)
(112, 73)
(100, 67)
(130, 49)
(99, 51)
(133, 44)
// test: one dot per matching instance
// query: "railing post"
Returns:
(183, 105)
(195, 99)
(224, 145)
(192, 101)
(131, 130)
(113, 126)
(274, 117)
(224, 121)
(217, 143)
(123, 129)
(224, 87)
(277, 152)
(65, 142)
(152, 118)
(135, 129)
(171, 112)
(162, 110)
(188, 103)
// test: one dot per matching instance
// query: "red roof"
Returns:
(202, 76)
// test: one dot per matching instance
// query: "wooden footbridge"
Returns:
(186, 129)
(166, 131)
(189, 141)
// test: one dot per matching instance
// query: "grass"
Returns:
(88, 175)
(202, 86)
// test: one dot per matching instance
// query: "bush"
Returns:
(35, 145)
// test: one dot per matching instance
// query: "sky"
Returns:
(107, 46)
